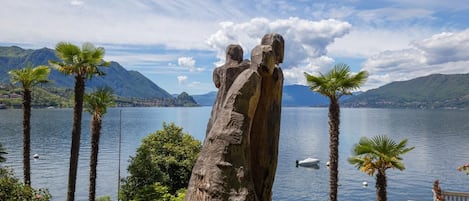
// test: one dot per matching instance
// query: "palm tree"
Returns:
(83, 64)
(28, 77)
(96, 104)
(336, 83)
(2, 152)
(376, 155)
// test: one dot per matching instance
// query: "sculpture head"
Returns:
(278, 45)
(234, 54)
(263, 59)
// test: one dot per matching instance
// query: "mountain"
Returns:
(433, 91)
(206, 99)
(186, 100)
(300, 95)
(293, 96)
(124, 83)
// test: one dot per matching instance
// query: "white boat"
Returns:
(308, 162)
(36, 156)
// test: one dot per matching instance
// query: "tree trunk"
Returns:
(27, 136)
(265, 133)
(95, 135)
(381, 185)
(334, 122)
(76, 134)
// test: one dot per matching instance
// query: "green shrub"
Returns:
(104, 198)
(11, 189)
(162, 165)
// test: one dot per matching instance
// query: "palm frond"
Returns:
(378, 154)
(67, 51)
(83, 62)
(336, 82)
(29, 77)
(98, 101)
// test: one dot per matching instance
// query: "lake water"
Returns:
(440, 137)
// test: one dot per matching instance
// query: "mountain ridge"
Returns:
(434, 91)
(125, 83)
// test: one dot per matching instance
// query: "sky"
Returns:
(178, 43)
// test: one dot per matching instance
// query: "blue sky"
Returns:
(178, 43)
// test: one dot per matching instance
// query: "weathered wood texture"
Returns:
(239, 156)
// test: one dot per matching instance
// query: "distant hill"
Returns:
(206, 99)
(293, 96)
(433, 91)
(300, 95)
(124, 83)
(184, 99)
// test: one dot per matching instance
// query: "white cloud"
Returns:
(189, 63)
(182, 79)
(119, 22)
(186, 62)
(138, 58)
(76, 3)
(364, 42)
(444, 53)
(446, 47)
(305, 46)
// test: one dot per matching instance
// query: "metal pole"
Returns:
(119, 162)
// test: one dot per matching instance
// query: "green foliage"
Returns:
(158, 192)
(42, 97)
(82, 62)
(96, 103)
(378, 154)
(163, 163)
(30, 77)
(11, 189)
(337, 82)
(104, 198)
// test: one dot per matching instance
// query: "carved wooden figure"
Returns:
(239, 156)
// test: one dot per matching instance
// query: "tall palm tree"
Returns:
(83, 64)
(2, 153)
(96, 104)
(376, 155)
(28, 77)
(334, 84)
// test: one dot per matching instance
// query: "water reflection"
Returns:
(440, 137)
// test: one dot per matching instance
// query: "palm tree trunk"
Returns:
(27, 136)
(95, 134)
(381, 185)
(334, 121)
(76, 133)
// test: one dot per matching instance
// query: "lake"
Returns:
(440, 137)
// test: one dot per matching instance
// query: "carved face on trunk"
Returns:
(234, 54)
(263, 58)
(278, 45)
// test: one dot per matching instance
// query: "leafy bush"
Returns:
(158, 192)
(162, 166)
(11, 189)
(104, 198)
